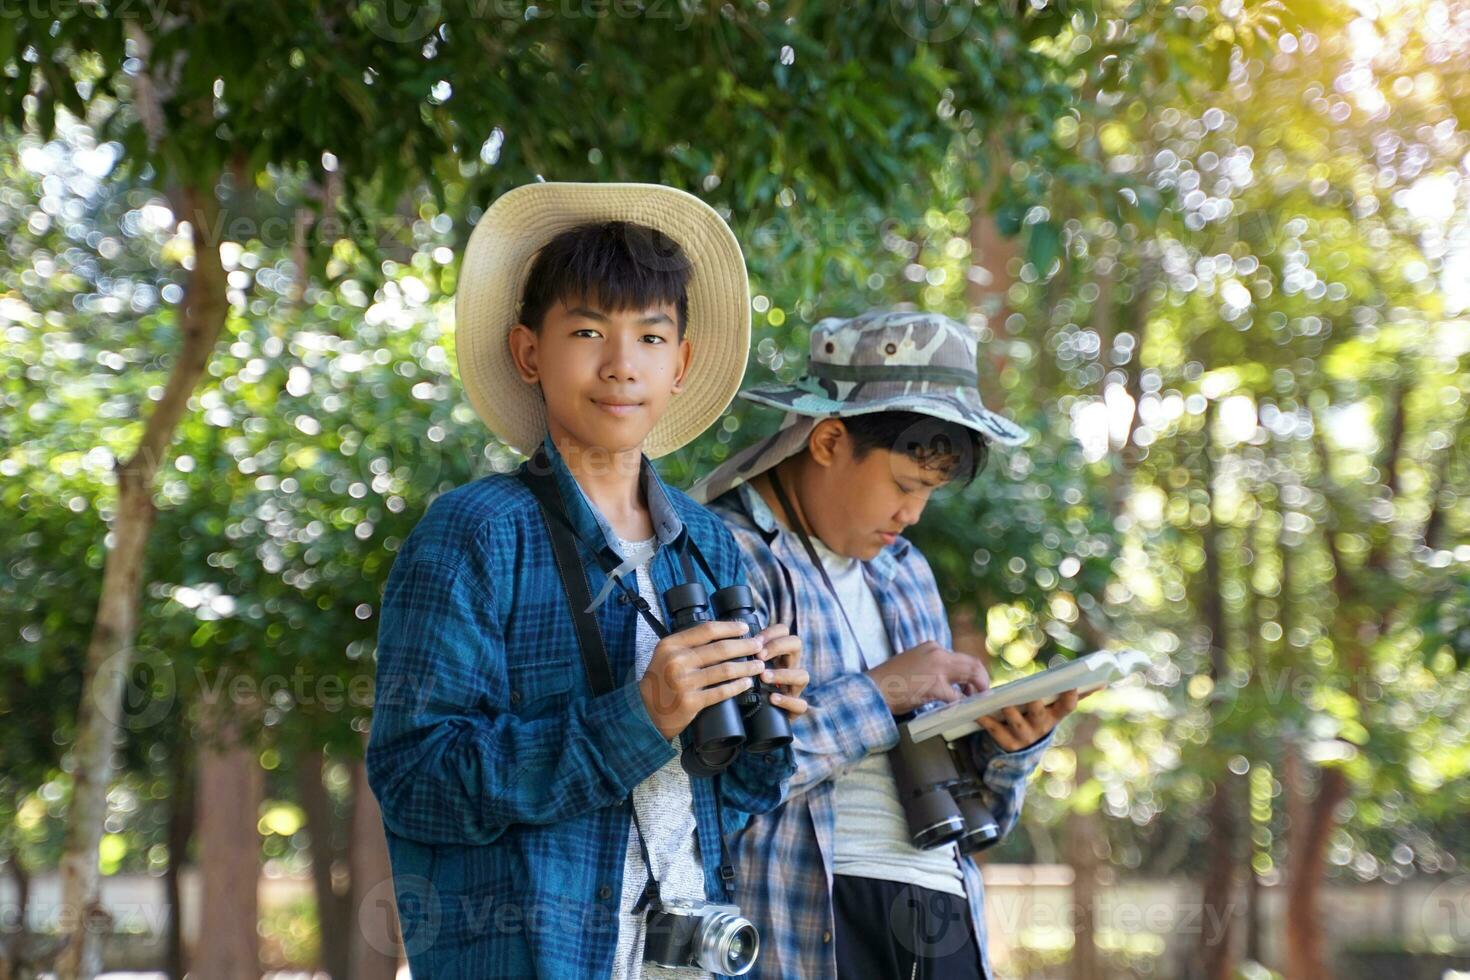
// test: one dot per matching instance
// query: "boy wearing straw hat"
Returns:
(888, 412)
(525, 745)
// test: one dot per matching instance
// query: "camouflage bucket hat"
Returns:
(880, 361)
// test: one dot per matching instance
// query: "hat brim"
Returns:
(753, 460)
(493, 276)
(804, 410)
(969, 412)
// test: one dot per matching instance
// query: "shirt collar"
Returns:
(881, 567)
(589, 522)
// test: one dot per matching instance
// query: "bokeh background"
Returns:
(1218, 258)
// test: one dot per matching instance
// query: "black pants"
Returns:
(890, 929)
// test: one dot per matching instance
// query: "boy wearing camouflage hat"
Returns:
(888, 412)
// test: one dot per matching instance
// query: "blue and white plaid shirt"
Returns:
(784, 858)
(504, 783)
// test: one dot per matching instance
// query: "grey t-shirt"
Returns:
(665, 809)
(872, 839)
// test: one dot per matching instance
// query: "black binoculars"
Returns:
(940, 789)
(747, 721)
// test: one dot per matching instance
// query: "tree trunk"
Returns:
(991, 252)
(1085, 845)
(15, 939)
(1254, 917)
(376, 939)
(1309, 833)
(1218, 905)
(110, 651)
(334, 911)
(231, 785)
(1360, 617)
(180, 833)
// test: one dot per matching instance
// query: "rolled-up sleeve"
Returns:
(1004, 775)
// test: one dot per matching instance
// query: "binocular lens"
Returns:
(981, 830)
(705, 761)
(934, 820)
(748, 721)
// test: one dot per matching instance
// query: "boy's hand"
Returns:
(782, 656)
(695, 668)
(1015, 729)
(927, 673)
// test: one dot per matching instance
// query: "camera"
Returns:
(713, 937)
(749, 720)
(939, 789)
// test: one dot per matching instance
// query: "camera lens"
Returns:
(727, 944)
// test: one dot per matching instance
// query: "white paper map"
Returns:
(954, 721)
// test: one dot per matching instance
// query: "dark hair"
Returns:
(615, 264)
(957, 450)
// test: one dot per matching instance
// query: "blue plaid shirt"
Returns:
(784, 858)
(504, 783)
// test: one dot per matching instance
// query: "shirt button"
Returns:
(515, 697)
(605, 892)
(826, 937)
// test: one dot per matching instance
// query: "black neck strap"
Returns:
(537, 478)
(816, 560)
(573, 574)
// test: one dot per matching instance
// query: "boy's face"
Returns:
(606, 376)
(863, 503)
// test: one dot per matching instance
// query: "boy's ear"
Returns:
(523, 353)
(686, 355)
(822, 444)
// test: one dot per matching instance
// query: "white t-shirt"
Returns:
(872, 839)
(665, 808)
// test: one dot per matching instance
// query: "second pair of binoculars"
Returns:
(748, 721)
(939, 788)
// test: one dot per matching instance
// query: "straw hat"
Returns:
(493, 275)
